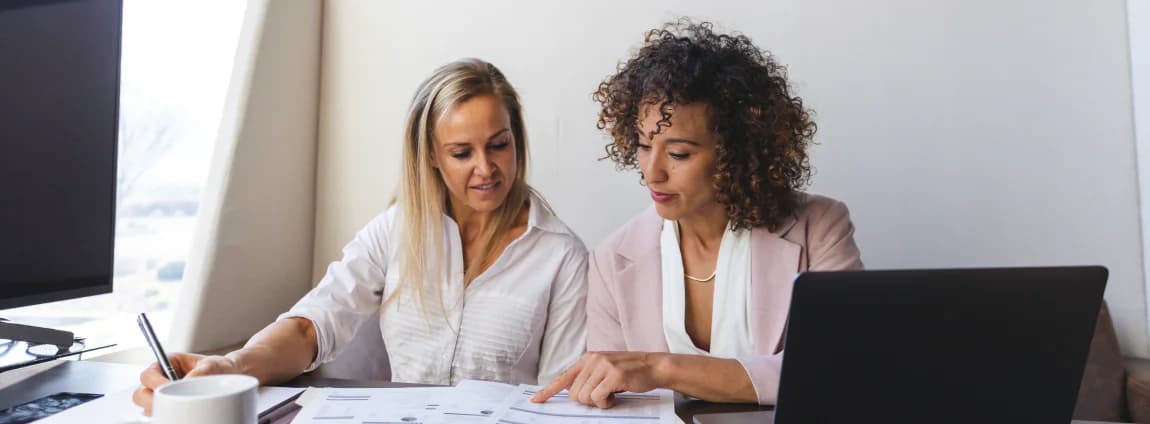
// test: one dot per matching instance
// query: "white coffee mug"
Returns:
(217, 399)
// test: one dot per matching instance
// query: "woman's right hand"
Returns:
(185, 365)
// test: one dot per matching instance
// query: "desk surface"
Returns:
(101, 377)
(67, 376)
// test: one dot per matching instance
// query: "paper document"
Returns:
(388, 405)
(476, 398)
(656, 406)
(477, 402)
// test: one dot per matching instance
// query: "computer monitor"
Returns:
(59, 91)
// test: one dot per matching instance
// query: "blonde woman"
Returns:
(470, 273)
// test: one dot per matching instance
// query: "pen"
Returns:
(154, 343)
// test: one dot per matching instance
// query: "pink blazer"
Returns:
(624, 298)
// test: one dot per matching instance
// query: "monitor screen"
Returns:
(59, 88)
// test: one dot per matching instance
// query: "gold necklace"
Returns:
(702, 280)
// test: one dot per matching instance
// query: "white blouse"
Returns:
(730, 317)
(523, 320)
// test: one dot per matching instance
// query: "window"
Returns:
(176, 64)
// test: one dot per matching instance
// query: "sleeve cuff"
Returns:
(321, 348)
(764, 371)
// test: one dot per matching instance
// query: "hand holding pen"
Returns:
(168, 368)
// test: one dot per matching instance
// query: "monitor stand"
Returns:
(22, 345)
(36, 335)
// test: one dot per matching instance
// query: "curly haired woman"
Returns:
(692, 294)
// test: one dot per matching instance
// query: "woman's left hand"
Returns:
(597, 376)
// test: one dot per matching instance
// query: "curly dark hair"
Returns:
(763, 130)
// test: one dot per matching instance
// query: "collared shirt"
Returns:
(523, 320)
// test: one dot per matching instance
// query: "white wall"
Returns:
(976, 133)
(1138, 16)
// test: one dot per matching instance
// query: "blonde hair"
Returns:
(422, 195)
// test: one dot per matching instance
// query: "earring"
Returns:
(642, 181)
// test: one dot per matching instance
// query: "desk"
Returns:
(101, 377)
(68, 376)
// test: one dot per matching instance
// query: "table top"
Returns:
(67, 376)
(101, 377)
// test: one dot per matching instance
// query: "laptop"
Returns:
(947, 345)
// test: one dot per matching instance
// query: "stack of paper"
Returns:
(477, 402)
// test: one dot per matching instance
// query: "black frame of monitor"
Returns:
(87, 286)
(34, 292)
